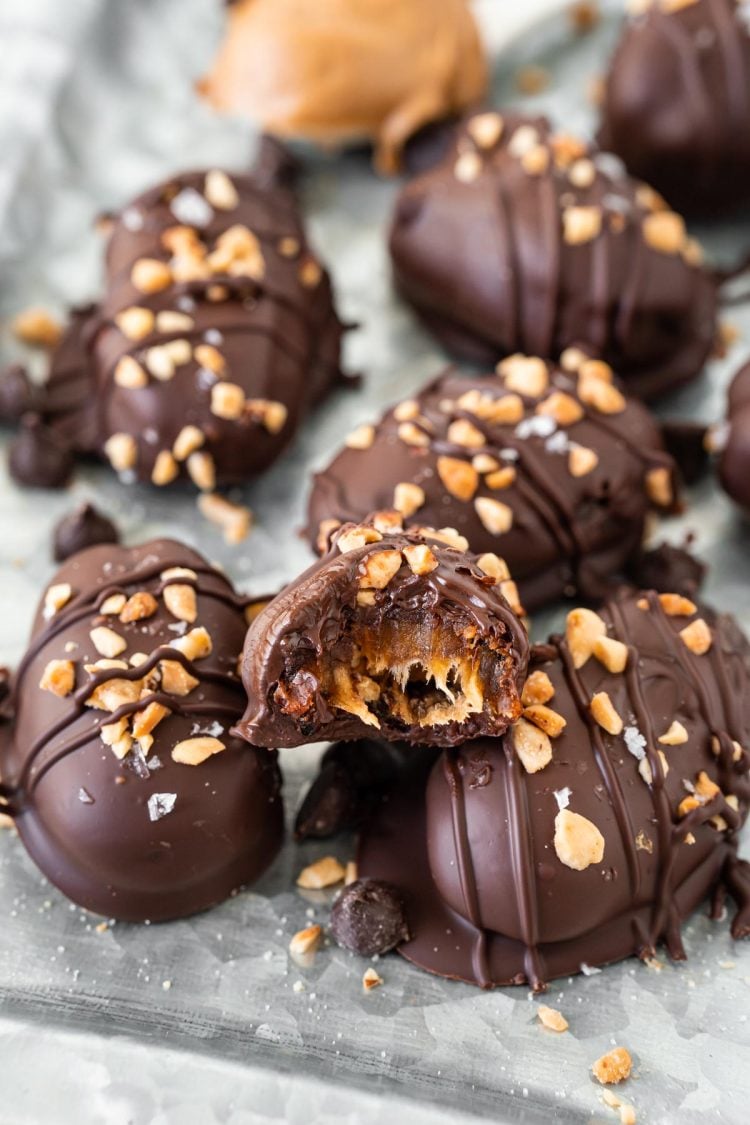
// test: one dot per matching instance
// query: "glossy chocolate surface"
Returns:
(521, 240)
(393, 633)
(553, 470)
(123, 827)
(472, 843)
(677, 103)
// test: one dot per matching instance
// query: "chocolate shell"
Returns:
(677, 103)
(521, 240)
(215, 337)
(553, 469)
(402, 634)
(599, 822)
(126, 787)
(734, 441)
(375, 71)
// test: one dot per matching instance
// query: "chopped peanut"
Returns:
(325, 872)
(578, 842)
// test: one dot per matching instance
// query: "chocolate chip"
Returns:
(84, 527)
(669, 569)
(685, 441)
(16, 393)
(369, 917)
(38, 457)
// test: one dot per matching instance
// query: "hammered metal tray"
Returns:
(208, 1019)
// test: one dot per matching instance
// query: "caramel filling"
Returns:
(421, 672)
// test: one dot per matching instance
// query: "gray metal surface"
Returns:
(204, 1020)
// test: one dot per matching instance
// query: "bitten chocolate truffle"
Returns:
(404, 634)
(216, 335)
(522, 240)
(733, 441)
(677, 102)
(552, 468)
(599, 821)
(375, 71)
(126, 787)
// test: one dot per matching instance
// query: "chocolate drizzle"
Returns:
(484, 869)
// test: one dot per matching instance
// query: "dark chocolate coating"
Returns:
(734, 458)
(569, 534)
(84, 527)
(487, 893)
(677, 104)
(492, 249)
(242, 280)
(424, 657)
(143, 836)
(39, 457)
(368, 918)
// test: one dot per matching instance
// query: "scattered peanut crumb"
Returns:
(371, 980)
(307, 940)
(551, 1018)
(325, 872)
(613, 1067)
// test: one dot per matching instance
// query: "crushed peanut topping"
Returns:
(581, 224)
(59, 677)
(189, 439)
(532, 746)
(545, 718)
(578, 842)
(135, 322)
(194, 751)
(697, 637)
(659, 487)
(56, 597)
(537, 689)
(611, 653)
(526, 375)
(181, 602)
(408, 498)
(583, 628)
(493, 566)
(603, 711)
(459, 477)
(122, 452)
(325, 872)
(150, 275)
(582, 461)
(165, 469)
(485, 129)
(219, 191)
(420, 558)
(130, 374)
(675, 736)
(496, 517)
(361, 438)
(379, 568)
(138, 607)
(107, 642)
(675, 605)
